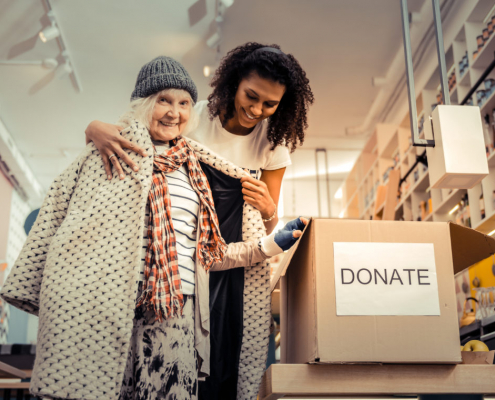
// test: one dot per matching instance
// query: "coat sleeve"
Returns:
(240, 254)
(23, 284)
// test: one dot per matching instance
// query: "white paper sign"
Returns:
(385, 279)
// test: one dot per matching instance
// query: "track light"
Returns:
(214, 40)
(63, 70)
(207, 70)
(48, 63)
(49, 33)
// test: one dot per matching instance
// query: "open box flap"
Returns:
(284, 264)
(469, 246)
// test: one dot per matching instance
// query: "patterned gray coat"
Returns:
(78, 272)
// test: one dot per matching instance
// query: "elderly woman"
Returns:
(118, 270)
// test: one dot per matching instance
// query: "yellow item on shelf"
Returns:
(475, 345)
(468, 317)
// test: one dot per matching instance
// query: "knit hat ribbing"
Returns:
(163, 73)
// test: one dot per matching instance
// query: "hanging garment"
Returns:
(226, 293)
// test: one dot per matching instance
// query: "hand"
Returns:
(288, 235)
(108, 141)
(256, 193)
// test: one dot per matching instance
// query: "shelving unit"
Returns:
(389, 146)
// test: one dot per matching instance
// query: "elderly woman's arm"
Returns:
(252, 251)
(23, 285)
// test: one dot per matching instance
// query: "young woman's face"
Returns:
(256, 99)
(170, 115)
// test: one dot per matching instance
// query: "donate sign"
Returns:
(385, 279)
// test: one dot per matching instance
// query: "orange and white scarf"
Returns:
(162, 285)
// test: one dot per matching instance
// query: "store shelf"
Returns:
(380, 209)
(368, 209)
(453, 95)
(390, 147)
(488, 106)
(485, 57)
(470, 329)
(488, 336)
(449, 203)
(465, 79)
(351, 199)
(422, 184)
(491, 160)
(367, 174)
(488, 320)
(486, 225)
(386, 139)
(405, 156)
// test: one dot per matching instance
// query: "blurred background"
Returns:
(86, 66)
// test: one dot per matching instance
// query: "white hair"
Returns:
(142, 110)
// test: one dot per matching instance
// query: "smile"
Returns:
(169, 124)
(249, 116)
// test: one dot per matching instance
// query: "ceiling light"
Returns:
(338, 194)
(214, 40)
(49, 33)
(207, 71)
(49, 63)
(63, 70)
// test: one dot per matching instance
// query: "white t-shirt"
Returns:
(185, 210)
(251, 151)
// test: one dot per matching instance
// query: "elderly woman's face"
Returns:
(170, 115)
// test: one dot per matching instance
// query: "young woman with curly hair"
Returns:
(255, 116)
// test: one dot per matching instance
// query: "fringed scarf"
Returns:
(162, 286)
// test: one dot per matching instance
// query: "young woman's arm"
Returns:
(108, 141)
(264, 194)
(248, 253)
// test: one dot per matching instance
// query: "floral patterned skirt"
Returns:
(162, 362)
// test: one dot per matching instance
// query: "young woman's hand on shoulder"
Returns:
(108, 141)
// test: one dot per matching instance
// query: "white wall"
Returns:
(300, 189)
(20, 326)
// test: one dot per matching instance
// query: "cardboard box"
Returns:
(312, 332)
(478, 357)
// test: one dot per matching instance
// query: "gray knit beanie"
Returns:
(163, 73)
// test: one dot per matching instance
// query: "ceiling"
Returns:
(341, 44)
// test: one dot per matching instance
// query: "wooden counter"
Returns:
(364, 380)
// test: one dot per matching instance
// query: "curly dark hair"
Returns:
(289, 122)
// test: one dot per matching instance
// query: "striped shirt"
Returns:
(185, 209)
